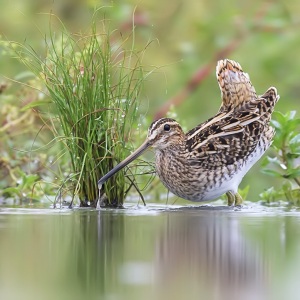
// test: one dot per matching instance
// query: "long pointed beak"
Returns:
(139, 151)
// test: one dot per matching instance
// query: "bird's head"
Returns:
(162, 133)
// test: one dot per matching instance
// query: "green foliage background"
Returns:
(182, 37)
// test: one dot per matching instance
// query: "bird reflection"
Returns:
(209, 254)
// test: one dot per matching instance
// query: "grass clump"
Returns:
(94, 86)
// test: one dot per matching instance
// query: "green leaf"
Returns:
(276, 124)
(24, 75)
(291, 115)
(265, 161)
(244, 192)
(272, 173)
(292, 125)
(293, 155)
(275, 161)
(29, 179)
(279, 117)
(295, 194)
(35, 104)
(295, 139)
(271, 195)
(11, 191)
(287, 186)
(292, 173)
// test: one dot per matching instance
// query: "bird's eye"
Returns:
(167, 127)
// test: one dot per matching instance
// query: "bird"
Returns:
(211, 159)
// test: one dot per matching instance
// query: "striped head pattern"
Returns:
(164, 132)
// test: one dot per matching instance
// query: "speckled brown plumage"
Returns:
(212, 158)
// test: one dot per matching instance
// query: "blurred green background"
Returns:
(182, 37)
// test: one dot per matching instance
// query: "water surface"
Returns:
(157, 252)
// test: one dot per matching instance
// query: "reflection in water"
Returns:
(96, 251)
(148, 254)
(210, 255)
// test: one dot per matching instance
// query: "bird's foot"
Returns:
(234, 199)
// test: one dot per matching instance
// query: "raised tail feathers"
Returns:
(266, 103)
(235, 85)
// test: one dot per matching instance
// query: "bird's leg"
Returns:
(234, 199)
(230, 198)
(238, 199)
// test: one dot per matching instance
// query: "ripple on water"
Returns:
(248, 209)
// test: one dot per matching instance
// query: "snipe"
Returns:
(211, 159)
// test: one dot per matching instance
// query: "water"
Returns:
(155, 252)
